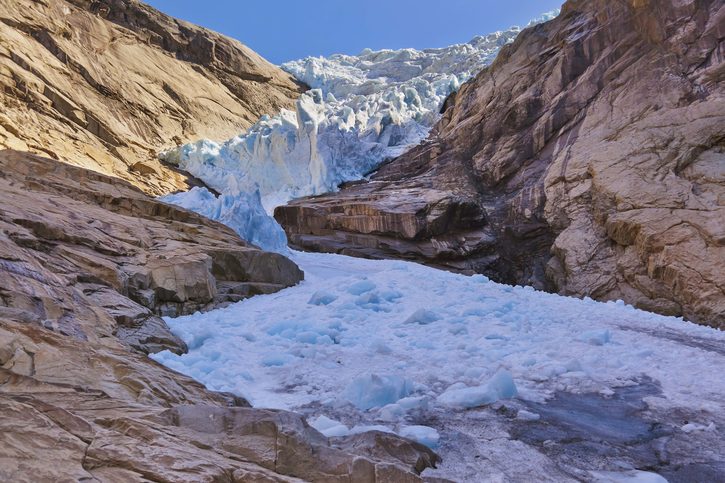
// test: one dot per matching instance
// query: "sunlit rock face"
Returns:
(361, 111)
(107, 84)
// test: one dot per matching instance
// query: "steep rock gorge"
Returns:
(588, 160)
(107, 84)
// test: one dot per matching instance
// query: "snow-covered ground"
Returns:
(395, 346)
(362, 109)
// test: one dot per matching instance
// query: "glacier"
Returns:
(496, 378)
(360, 111)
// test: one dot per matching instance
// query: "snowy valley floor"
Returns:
(506, 383)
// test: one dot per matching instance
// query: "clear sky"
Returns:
(292, 29)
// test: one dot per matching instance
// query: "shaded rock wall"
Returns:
(589, 159)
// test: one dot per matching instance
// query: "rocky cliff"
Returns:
(589, 159)
(107, 84)
(87, 265)
(90, 256)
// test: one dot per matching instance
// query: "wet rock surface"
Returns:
(574, 437)
(587, 160)
(107, 84)
(87, 265)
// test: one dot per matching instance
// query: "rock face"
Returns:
(589, 159)
(89, 256)
(107, 84)
(87, 263)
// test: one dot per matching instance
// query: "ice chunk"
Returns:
(422, 434)
(329, 427)
(368, 300)
(372, 390)
(422, 317)
(359, 429)
(500, 386)
(524, 415)
(692, 427)
(596, 337)
(322, 298)
(359, 288)
(393, 412)
(390, 295)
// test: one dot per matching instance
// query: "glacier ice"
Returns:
(361, 110)
(501, 386)
(241, 211)
(322, 298)
(373, 390)
(280, 351)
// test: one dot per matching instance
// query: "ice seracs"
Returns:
(362, 109)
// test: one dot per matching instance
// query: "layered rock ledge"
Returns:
(92, 257)
(588, 160)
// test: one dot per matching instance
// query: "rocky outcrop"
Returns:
(89, 256)
(87, 265)
(107, 84)
(588, 160)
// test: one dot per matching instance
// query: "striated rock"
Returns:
(87, 265)
(588, 160)
(90, 256)
(107, 84)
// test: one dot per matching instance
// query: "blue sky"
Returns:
(292, 29)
